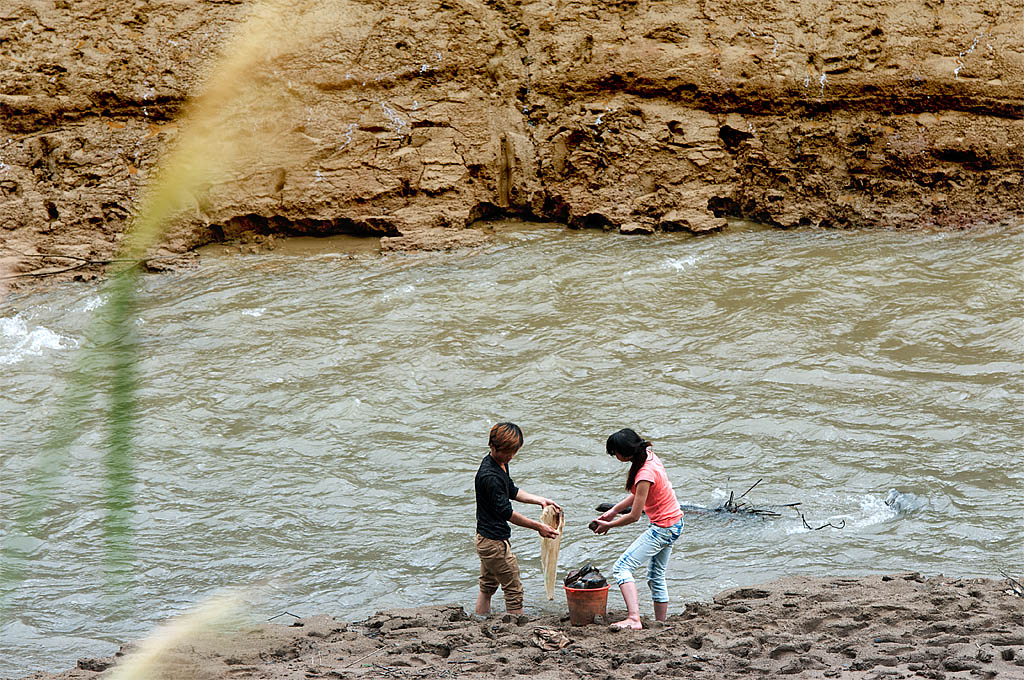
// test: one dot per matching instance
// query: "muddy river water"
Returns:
(311, 422)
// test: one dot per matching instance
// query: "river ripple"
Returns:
(316, 421)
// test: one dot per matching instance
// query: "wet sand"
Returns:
(884, 626)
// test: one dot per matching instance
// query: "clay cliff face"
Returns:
(418, 115)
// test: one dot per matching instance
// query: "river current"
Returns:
(312, 423)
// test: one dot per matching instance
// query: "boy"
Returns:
(494, 493)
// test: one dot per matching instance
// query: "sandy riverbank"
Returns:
(883, 626)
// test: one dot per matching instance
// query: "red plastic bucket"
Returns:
(586, 603)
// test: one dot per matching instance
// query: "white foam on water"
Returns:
(18, 342)
(902, 503)
(719, 495)
(682, 263)
(255, 313)
(871, 510)
(401, 291)
(93, 303)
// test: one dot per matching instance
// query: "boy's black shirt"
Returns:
(494, 493)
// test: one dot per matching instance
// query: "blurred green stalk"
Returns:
(122, 353)
(106, 366)
(237, 120)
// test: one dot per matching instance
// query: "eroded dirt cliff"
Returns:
(413, 116)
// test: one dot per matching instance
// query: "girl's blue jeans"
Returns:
(654, 544)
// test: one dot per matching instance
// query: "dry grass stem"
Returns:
(216, 614)
(242, 119)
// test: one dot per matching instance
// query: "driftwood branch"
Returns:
(82, 262)
(62, 256)
(751, 487)
(1015, 585)
(45, 272)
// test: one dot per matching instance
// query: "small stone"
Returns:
(694, 221)
(636, 228)
(95, 665)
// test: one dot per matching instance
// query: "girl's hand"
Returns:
(607, 517)
(600, 526)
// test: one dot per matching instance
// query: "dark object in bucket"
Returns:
(585, 577)
(586, 593)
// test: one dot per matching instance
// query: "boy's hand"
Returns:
(547, 532)
(600, 526)
(545, 502)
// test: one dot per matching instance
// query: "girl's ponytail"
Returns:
(629, 444)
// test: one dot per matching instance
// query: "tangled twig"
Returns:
(842, 524)
(284, 614)
(734, 505)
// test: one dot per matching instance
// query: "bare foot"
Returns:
(632, 624)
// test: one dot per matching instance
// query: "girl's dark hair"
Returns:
(629, 444)
(506, 437)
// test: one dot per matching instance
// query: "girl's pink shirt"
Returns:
(661, 507)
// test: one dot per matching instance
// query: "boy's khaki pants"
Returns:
(499, 567)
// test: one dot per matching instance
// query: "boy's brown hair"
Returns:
(506, 437)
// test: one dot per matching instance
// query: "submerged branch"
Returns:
(751, 488)
(733, 506)
(842, 524)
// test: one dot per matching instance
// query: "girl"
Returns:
(649, 491)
